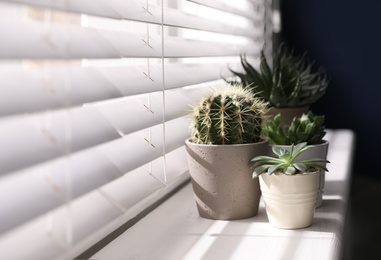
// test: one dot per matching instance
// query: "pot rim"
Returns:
(188, 142)
(324, 142)
(294, 175)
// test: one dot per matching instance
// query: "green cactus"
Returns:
(230, 114)
(306, 128)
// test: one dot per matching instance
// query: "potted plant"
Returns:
(226, 133)
(289, 187)
(307, 128)
(290, 86)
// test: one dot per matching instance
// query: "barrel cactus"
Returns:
(230, 114)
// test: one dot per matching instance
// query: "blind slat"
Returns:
(43, 137)
(148, 109)
(45, 88)
(77, 42)
(132, 10)
(45, 189)
(43, 238)
(149, 149)
(88, 170)
(231, 8)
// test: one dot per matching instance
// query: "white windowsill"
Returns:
(174, 230)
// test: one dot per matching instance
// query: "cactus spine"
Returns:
(229, 115)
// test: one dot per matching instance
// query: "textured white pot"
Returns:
(318, 151)
(290, 199)
(222, 179)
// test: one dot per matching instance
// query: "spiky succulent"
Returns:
(230, 114)
(291, 82)
(285, 163)
(307, 128)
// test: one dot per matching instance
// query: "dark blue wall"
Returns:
(344, 36)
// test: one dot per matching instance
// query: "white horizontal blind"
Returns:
(93, 104)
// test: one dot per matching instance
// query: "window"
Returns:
(93, 105)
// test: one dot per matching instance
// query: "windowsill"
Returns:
(175, 231)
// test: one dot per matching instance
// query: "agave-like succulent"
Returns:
(307, 128)
(285, 163)
(291, 82)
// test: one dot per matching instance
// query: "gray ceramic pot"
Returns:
(287, 113)
(222, 179)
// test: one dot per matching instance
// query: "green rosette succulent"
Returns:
(286, 162)
(307, 128)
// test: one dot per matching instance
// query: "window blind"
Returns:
(93, 109)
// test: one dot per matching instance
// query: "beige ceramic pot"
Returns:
(290, 199)
(287, 113)
(318, 151)
(222, 179)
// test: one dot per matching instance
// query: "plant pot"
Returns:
(290, 199)
(287, 113)
(222, 179)
(318, 151)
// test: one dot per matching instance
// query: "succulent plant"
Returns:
(285, 163)
(291, 82)
(230, 114)
(307, 128)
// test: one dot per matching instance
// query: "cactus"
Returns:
(230, 114)
(306, 128)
